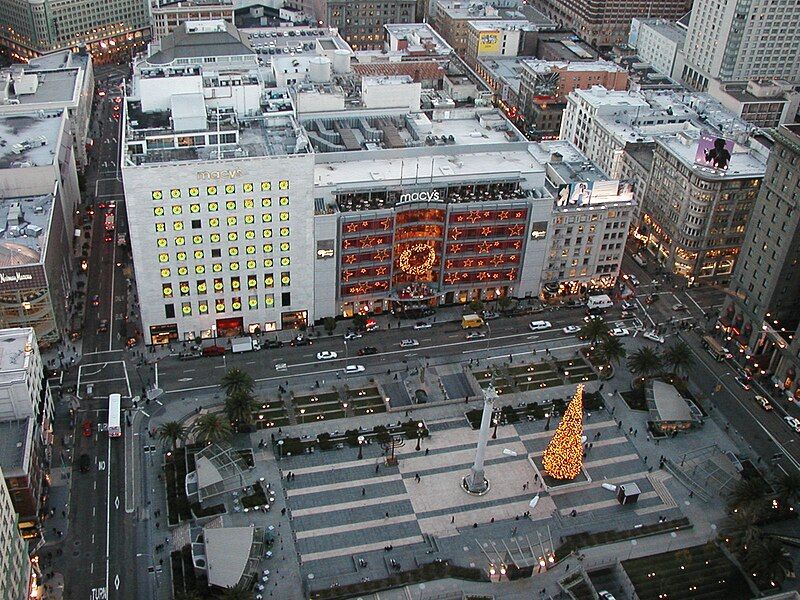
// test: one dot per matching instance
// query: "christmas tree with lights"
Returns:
(563, 456)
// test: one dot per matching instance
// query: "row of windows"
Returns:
(219, 305)
(161, 226)
(218, 284)
(249, 264)
(177, 209)
(213, 190)
(232, 236)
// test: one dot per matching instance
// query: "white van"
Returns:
(600, 301)
(540, 325)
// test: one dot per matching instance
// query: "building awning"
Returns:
(667, 402)
(227, 553)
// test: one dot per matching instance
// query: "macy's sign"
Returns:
(420, 197)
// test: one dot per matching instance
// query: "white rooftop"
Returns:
(501, 24)
(16, 346)
(24, 224)
(666, 28)
(227, 552)
(29, 140)
(538, 65)
(598, 96)
(744, 161)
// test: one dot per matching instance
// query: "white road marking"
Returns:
(108, 514)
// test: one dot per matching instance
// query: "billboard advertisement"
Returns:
(584, 193)
(714, 152)
(489, 42)
(575, 194)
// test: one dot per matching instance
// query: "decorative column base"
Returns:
(475, 483)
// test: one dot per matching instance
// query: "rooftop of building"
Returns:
(598, 96)
(197, 39)
(188, 4)
(566, 46)
(61, 59)
(502, 25)
(745, 162)
(666, 28)
(16, 346)
(469, 9)
(22, 85)
(296, 39)
(23, 230)
(29, 140)
(15, 437)
(506, 69)
(421, 38)
(760, 90)
(416, 70)
(539, 65)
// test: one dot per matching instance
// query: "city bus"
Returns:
(108, 225)
(715, 349)
(114, 402)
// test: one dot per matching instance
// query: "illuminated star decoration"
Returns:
(511, 275)
(503, 215)
(350, 259)
(386, 223)
(346, 276)
(515, 230)
(455, 234)
(451, 278)
(346, 244)
(563, 457)
(367, 242)
(455, 248)
(381, 254)
(483, 276)
(473, 216)
(484, 247)
(468, 263)
(380, 271)
(498, 260)
(486, 231)
(352, 227)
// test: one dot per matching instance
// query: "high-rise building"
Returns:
(761, 319)
(453, 18)
(108, 30)
(168, 15)
(15, 567)
(607, 22)
(732, 40)
(658, 42)
(360, 22)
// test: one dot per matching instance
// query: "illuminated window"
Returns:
(175, 193)
(250, 234)
(166, 290)
(215, 238)
(284, 231)
(211, 190)
(234, 266)
(266, 218)
(249, 249)
(216, 267)
(284, 216)
(177, 226)
(198, 254)
(249, 219)
(249, 203)
(202, 287)
(180, 240)
(197, 239)
(268, 263)
(194, 208)
(161, 242)
(232, 236)
(213, 222)
(251, 264)
(163, 257)
(247, 187)
(165, 273)
(236, 303)
(285, 261)
(266, 186)
(283, 184)
(177, 210)
(284, 246)
(266, 202)
(230, 188)
(252, 282)
(218, 285)
(183, 271)
(235, 284)
(285, 278)
(202, 307)
(269, 281)
(231, 221)
(186, 308)
(267, 233)
(160, 227)
(158, 211)
(219, 305)
(230, 205)
(284, 201)
(200, 269)
(157, 194)
(267, 248)
(252, 302)
(213, 206)
(194, 191)
(269, 300)
(183, 288)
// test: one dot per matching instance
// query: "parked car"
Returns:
(352, 369)
(619, 332)
(490, 315)
(680, 306)
(372, 325)
(190, 355)
(571, 329)
(367, 350)
(539, 325)
(102, 327)
(744, 381)
(651, 298)
(792, 422)
(422, 325)
(604, 595)
(352, 335)
(629, 306)
(87, 428)
(95, 300)
(765, 404)
(409, 343)
(84, 463)
(326, 355)
(475, 335)
(653, 337)
(274, 344)
(213, 351)
(301, 340)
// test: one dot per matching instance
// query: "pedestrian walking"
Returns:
(386, 516)
(452, 519)
(363, 492)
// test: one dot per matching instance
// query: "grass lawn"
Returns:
(315, 398)
(257, 498)
(266, 423)
(363, 392)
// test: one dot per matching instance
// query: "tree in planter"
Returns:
(173, 432)
(644, 363)
(476, 306)
(238, 592)
(236, 380)
(611, 350)
(767, 560)
(330, 325)
(359, 322)
(239, 407)
(678, 358)
(212, 428)
(505, 303)
(787, 488)
(741, 529)
(749, 494)
(593, 330)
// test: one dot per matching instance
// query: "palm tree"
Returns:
(787, 487)
(212, 428)
(238, 592)
(748, 494)
(239, 407)
(611, 350)
(593, 330)
(678, 357)
(644, 363)
(173, 432)
(236, 380)
(742, 530)
(767, 560)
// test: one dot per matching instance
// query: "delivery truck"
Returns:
(244, 344)
(599, 301)
(471, 321)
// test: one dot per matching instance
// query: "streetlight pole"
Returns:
(419, 435)
(302, 412)
(548, 415)
(360, 447)
(280, 449)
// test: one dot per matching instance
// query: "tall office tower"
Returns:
(607, 22)
(15, 568)
(763, 313)
(108, 29)
(732, 40)
(360, 22)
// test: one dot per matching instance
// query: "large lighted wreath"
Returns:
(417, 259)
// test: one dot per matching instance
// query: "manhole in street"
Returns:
(76, 553)
(77, 542)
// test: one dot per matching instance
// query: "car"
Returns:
(792, 422)
(301, 340)
(87, 428)
(352, 335)
(628, 306)
(489, 315)
(280, 366)
(653, 337)
(619, 332)
(103, 326)
(539, 325)
(595, 312)
(367, 350)
(475, 335)
(84, 463)
(422, 325)
(101, 93)
(326, 355)
(680, 306)
(115, 115)
(117, 99)
(633, 279)
(409, 343)
(744, 381)
(84, 265)
(571, 329)
(372, 325)
(591, 318)
(352, 369)
(274, 344)
(604, 595)
(189, 355)
(651, 298)
(765, 404)
(95, 300)
(213, 351)
(116, 107)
